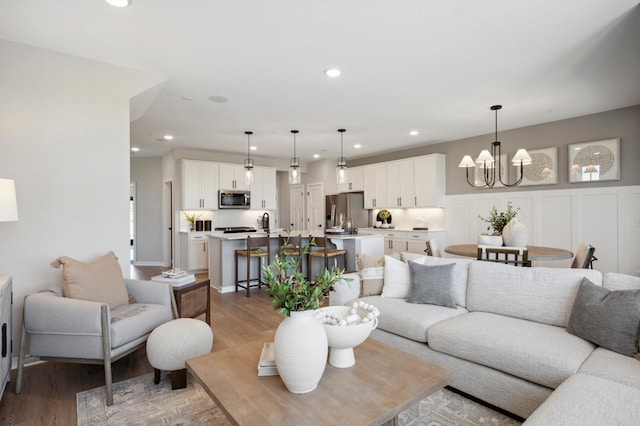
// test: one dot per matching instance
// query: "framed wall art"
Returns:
(594, 161)
(544, 167)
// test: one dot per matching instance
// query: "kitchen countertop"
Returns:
(243, 235)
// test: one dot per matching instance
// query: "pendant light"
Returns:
(294, 165)
(248, 162)
(490, 162)
(341, 170)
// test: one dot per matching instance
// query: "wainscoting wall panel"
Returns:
(607, 217)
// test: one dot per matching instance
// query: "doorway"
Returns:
(316, 215)
(168, 224)
(296, 207)
(132, 222)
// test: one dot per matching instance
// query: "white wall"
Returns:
(606, 218)
(64, 138)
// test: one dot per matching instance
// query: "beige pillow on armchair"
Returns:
(100, 281)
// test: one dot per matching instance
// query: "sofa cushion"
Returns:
(397, 278)
(536, 352)
(538, 294)
(100, 281)
(607, 318)
(589, 401)
(409, 320)
(371, 271)
(613, 366)
(431, 285)
(130, 322)
(459, 276)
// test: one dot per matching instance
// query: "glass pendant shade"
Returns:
(341, 169)
(294, 164)
(248, 162)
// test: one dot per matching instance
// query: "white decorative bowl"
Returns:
(342, 339)
(490, 240)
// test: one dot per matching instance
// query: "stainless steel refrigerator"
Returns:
(348, 205)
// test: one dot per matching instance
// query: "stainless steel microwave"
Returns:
(234, 199)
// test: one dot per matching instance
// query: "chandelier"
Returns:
(294, 165)
(489, 162)
(248, 162)
(341, 169)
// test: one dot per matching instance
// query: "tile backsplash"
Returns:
(410, 218)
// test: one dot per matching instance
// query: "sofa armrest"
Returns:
(47, 312)
(345, 291)
(149, 291)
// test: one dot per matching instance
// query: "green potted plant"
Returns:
(191, 218)
(496, 222)
(301, 345)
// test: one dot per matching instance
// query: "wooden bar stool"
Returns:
(320, 250)
(291, 245)
(257, 247)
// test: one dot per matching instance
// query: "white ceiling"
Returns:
(431, 65)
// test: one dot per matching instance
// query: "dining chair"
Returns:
(584, 257)
(257, 247)
(516, 256)
(432, 248)
(319, 249)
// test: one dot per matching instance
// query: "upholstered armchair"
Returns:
(67, 329)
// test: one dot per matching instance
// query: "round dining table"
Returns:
(535, 252)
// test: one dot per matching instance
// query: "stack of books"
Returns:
(267, 363)
(176, 278)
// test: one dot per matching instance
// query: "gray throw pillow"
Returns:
(607, 318)
(431, 284)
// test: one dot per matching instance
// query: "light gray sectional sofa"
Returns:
(507, 341)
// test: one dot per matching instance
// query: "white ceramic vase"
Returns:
(515, 234)
(301, 351)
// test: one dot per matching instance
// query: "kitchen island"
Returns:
(222, 247)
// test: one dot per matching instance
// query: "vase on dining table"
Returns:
(515, 234)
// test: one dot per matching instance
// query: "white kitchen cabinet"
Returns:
(400, 183)
(199, 185)
(429, 180)
(232, 177)
(6, 300)
(394, 243)
(264, 189)
(375, 186)
(196, 248)
(405, 240)
(355, 180)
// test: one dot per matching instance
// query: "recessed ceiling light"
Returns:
(357, 146)
(332, 72)
(253, 148)
(218, 99)
(316, 155)
(168, 137)
(414, 132)
(135, 149)
(119, 3)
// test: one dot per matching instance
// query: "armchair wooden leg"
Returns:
(156, 376)
(21, 351)
(179, 379)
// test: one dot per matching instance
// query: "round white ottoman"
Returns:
(172, 343)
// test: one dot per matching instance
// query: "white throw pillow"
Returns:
(397, 278)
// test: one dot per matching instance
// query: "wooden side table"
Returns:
(193, 300)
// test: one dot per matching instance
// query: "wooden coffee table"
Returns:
(384, 382)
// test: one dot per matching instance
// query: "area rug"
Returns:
(138, 401)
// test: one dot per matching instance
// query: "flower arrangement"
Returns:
(497, 221)
(191, 218)
(384, 214)
(291, 291)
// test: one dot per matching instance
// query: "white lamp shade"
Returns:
(294, 175)
(8, 202)
(484, 157)
(248, 176)
(523, 155)
(341, 174)
(467, 161)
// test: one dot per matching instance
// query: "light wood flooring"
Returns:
(49, 390)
